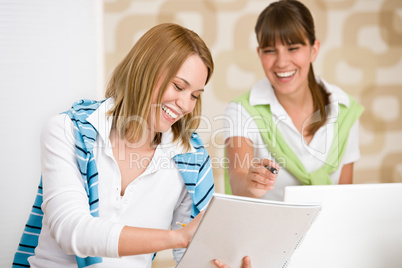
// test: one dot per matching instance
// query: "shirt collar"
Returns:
(103, 124)
(166, 150)
(262, 93)
(171, 147)
(100, 121)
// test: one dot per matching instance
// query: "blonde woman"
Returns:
(117, 174)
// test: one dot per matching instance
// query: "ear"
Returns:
(315, 49)
(258, 51)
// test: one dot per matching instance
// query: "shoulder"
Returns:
(58, 129)
(261, 93)
(258, 89)
(86, 104)
(83, 108)
(57, 123)
(345, 100)
(63, 124)
(337, 94)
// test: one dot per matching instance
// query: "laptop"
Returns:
(359, 226)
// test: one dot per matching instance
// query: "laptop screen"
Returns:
(360, 225)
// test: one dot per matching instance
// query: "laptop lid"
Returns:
(360, 225)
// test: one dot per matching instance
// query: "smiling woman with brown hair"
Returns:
(291, 120)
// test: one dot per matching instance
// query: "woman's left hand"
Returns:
(246, 263)
(187, 232)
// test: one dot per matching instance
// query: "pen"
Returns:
(181, 224)
(272, 169)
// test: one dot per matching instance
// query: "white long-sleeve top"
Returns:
(155, 199)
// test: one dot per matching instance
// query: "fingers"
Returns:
(266, 168)
(194, 222)
(189, 229)
(271, 163)
(220, 264)
(199, 216)
(261, 175)
(260, 182)
(246, 262)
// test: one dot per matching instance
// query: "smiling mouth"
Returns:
(169, 112)
(286, 74)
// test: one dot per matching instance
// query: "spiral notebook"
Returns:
(233, 227)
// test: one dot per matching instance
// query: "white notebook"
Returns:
(233, 227)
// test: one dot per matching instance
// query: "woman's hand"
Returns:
(260, 179)
(186, 233)
(248, 177)
(246, 263)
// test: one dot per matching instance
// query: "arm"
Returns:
(346, 174)
(153, 240)
(67, 215)
(248, 176)
(65, 202)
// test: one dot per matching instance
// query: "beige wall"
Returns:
(361, 51)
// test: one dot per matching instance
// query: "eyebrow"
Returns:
(188, 84)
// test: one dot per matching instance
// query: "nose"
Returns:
(282, 59)
(185, 102)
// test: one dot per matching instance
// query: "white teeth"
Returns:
(286, 74)
(169, 112)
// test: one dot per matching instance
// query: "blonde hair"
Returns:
(161, 50)
(292, 23)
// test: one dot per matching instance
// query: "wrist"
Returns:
(179, 239)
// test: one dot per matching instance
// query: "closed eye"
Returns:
(268, 50)
(178, 87)
(293, 48)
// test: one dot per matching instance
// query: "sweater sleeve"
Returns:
(65, 202)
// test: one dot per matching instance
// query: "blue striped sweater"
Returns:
(195, 169)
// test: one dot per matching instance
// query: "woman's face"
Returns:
(181, 94)
(287, 66)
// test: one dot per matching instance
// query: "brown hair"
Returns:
(292, 23)
(161, 50)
